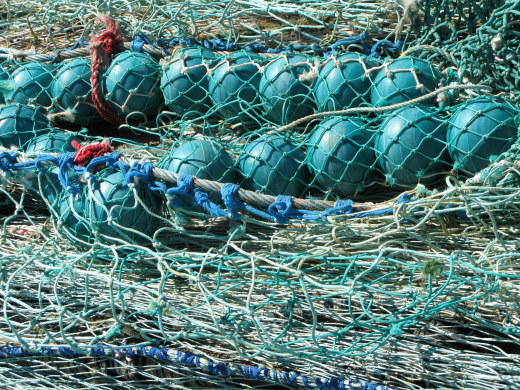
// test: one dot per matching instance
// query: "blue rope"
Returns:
(139, 41)
(191, 360)
(280, 211)
(346, 42)
(219, 45)
(165, 44)
(197, 196)
(229, 194)
(385, 44)
(257, 47)
(143, 171)
(7, 160)
(201, 198)
(403, 198)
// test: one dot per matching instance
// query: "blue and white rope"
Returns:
(188, 359)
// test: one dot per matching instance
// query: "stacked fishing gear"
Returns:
(251, 195)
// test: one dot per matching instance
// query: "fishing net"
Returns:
(261, 195)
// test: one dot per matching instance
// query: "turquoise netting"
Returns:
(301, 194)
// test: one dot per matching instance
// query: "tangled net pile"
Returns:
(166, 282)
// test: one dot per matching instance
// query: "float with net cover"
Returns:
(260, 194)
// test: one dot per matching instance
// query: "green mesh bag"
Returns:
(403, 79)
(201, 158)
(131, 85)
(344, 81)
(233, 87)
(340, 156)
(286, 88)
(411, 147)
(274, 165)
(30, 84)
(184, 81)
(108, 211)
(479, 131)
(20, 123)
(72, 93)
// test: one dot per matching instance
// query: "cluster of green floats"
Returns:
(341, 154)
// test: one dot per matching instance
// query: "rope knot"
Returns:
(85, 154)
(107, 43)
(281, 208)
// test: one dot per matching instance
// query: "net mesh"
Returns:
(252, 231)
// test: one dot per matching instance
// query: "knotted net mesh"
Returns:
(275, 209)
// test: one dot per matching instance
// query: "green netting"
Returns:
(29, 84)
(19, 123)
(131, 85)
(398, 290)
(72, 94)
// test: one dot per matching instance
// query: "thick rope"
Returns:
(356, 110)
(102, 48)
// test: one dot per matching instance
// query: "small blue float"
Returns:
(233, 87)
(274, 165)
(340, 155)
(479, 131)
(411, 147)
(184, 82)
(72, 93)
(344, 82)
(403, 79)
(286, 88)
(131, 85)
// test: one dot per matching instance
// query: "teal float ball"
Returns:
(273, 165)
(51, 188)
(340, 155)
(30, 84)
(72, 93)
(3, 76)
(114, 204)
(286, 88)
(403, 79)
(131, 84)
(110, 210)
(203, 159)
(479, 130)
(20, 123)
(233, 86)
(184, 81)
(71, 210)
(344, 82)
(52, 142)
(411, 147)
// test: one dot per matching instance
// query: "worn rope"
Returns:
(102, 48)
(359, 110)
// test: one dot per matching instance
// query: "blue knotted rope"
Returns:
(139, 41)
(385, 44)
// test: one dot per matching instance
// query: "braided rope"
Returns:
(102, 48)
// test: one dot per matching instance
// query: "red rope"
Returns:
(85, 154)
(102, 48)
